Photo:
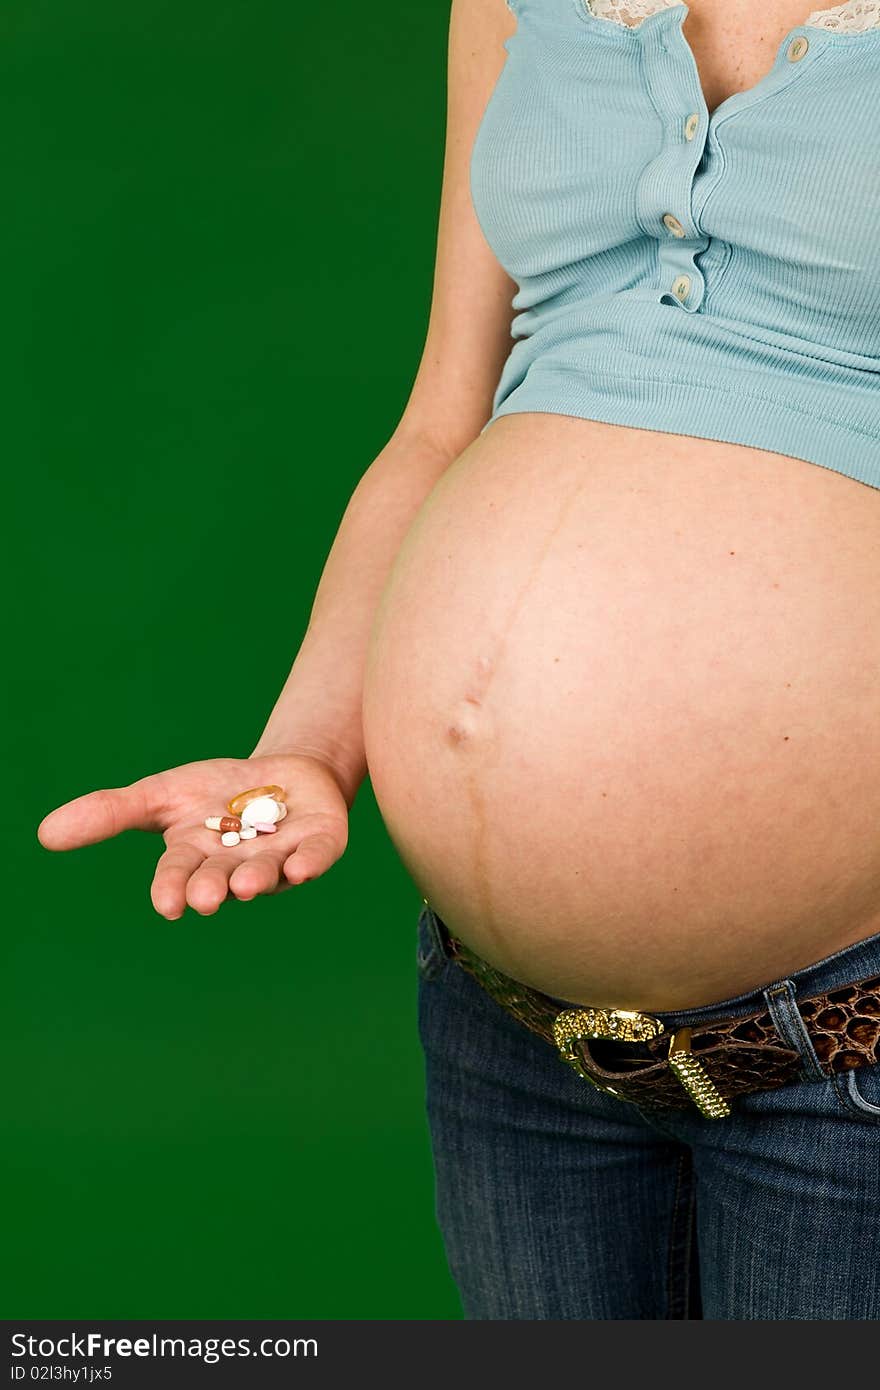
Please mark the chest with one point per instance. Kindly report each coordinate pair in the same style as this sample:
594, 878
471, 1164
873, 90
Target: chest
734, 42
708, 147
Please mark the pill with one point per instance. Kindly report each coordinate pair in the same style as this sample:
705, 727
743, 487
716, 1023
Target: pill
231, 837
230, 823
263, 808
247, 832
266, 827
238, 803
282, 811
213, 822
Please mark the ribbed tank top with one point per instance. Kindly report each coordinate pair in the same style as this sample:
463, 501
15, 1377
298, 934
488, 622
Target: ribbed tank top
714, 274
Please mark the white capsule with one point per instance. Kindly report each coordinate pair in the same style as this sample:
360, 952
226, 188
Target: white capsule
230, 837
247, 832
213, 822
264, 808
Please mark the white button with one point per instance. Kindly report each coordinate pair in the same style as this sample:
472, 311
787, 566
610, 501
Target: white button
673, 225
797, 48
681, 286
690, 125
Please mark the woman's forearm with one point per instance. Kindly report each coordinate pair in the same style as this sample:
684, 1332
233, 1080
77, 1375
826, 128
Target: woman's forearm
319, 708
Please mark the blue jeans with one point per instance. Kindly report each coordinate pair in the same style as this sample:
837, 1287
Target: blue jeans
556, 1200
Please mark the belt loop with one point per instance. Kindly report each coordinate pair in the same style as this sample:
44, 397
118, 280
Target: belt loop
781, 1000
438, 932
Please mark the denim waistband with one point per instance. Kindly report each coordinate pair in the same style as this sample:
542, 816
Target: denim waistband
854, 962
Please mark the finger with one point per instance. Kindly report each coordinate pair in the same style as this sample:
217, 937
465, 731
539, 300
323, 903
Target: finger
208, 887
259, 873
173, 871
313, 856
101, 814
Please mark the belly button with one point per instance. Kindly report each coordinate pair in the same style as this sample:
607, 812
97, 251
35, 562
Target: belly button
466, 722
469, 719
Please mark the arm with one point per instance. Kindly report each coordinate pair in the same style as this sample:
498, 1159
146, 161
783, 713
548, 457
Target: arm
468, 338
312, 744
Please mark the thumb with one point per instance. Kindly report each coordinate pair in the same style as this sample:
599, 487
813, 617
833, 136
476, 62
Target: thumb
101, 814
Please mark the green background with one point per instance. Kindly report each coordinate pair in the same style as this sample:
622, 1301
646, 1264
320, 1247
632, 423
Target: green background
217, 240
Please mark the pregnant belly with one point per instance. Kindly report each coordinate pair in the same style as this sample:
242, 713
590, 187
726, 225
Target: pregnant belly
622, 710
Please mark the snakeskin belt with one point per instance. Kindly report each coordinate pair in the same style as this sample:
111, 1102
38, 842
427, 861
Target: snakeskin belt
707, 1065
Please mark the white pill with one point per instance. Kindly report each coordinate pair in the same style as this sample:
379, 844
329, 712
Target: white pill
213, 822
230, 837
247, 832
282, 810
264, 808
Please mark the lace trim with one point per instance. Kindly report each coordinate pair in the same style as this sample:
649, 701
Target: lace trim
635, 10
853, 17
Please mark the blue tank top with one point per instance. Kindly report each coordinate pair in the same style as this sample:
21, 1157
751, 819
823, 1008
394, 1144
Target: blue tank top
714, 274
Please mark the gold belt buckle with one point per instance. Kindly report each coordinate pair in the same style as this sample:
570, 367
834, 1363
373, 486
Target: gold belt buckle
694, 1077
629, 1025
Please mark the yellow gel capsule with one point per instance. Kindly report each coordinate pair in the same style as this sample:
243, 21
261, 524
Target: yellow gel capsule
238, 803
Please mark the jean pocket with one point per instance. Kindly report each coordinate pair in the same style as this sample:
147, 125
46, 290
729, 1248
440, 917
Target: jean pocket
431, 956
858, 1091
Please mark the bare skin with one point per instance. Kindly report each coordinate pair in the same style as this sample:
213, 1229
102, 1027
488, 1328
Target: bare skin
195, 870
734, 42
621, 708
624, 727
312, 744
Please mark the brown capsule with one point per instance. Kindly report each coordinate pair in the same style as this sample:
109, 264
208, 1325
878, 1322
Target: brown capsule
230, 823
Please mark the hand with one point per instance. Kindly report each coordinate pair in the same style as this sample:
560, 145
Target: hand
195, 868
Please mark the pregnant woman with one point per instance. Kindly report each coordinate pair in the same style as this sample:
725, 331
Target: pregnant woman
602, 623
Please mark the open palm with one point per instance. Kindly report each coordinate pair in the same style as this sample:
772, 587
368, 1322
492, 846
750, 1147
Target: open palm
195, 869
